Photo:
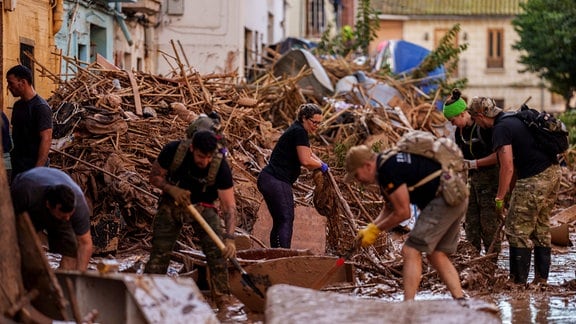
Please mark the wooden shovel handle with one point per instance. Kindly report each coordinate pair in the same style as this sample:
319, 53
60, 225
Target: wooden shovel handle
213, 236
206, 226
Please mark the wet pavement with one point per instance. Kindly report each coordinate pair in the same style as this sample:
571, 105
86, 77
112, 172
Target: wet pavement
554, 304
537, 306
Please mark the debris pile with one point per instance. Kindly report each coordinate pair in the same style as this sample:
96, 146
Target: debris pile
110, 125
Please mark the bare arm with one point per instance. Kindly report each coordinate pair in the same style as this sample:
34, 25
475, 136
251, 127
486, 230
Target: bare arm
400, 211
228, 205
84, 251
45, 142
505, 157
489, 160
308, 159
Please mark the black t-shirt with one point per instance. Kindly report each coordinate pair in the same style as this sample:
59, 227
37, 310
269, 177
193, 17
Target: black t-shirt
528, 159
190, 177
284, 163
29, 118
474, 141
28, 189
409, 169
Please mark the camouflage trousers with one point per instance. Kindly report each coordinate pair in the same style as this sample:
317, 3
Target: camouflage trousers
532, 200
482, 221
167, 226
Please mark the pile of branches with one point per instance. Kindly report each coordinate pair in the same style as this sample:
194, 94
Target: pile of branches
110, 125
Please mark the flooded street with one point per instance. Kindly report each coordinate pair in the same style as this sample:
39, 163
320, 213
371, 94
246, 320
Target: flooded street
557, 306
553, 304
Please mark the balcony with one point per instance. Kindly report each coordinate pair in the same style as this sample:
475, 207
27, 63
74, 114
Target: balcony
149, 7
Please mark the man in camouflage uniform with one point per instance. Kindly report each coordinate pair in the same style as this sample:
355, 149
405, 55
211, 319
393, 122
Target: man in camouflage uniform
535, 190
187, 185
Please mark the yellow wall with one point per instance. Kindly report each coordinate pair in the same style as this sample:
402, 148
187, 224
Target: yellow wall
31, 23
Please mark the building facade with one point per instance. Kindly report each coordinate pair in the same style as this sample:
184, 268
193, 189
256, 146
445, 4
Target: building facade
218, 36
489, 63
28, 29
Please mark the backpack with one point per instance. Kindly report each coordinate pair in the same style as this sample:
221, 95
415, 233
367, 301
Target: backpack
453, 174
202, 123
550, 134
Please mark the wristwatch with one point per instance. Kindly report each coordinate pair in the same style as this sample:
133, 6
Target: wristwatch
229, 236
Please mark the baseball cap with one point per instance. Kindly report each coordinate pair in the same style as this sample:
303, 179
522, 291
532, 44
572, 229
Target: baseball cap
355, 158
485, 106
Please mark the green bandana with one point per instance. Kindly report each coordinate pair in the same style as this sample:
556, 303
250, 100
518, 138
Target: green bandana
454, 109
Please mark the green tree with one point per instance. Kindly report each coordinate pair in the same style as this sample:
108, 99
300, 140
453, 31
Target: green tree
446, 54
349, 39
367, 23
547, 31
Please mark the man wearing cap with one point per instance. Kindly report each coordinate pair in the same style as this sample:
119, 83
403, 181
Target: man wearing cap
482, 221
436, 231
535, 178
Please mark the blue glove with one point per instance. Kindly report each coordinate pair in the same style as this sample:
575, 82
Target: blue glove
324, 167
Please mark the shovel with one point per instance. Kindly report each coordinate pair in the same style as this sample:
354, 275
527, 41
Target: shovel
245, 278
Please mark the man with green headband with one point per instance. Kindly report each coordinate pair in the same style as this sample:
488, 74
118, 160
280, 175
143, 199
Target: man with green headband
482, 220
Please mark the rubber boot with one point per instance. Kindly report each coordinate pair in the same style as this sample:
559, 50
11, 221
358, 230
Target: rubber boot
520, 259
542, 257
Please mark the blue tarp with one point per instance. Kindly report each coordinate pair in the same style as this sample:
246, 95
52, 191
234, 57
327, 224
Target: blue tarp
403, 57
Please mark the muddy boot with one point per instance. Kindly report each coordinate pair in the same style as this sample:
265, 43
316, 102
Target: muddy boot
520, 259
223, 301
227, 306
541, 264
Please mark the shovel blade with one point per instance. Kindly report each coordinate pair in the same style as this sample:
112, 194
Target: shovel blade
246, 280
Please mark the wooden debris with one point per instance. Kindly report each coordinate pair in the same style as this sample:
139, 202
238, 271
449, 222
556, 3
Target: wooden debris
113, 167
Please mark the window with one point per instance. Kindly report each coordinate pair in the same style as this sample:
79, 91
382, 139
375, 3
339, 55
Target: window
495, 58
315, 18
27, 48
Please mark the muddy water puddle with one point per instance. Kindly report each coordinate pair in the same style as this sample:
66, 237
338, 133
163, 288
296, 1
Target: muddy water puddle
555, 304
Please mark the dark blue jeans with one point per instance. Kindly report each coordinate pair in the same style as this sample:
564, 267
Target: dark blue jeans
280, 201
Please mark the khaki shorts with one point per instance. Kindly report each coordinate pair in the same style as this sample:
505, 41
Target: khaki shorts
438, 227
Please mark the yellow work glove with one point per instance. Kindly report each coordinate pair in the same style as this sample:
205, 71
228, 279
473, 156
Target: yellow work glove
181, 196
368, 235
229, 249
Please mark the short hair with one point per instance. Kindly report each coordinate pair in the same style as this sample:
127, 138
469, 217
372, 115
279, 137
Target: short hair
307, 110
21, 72
205, 141
61, 194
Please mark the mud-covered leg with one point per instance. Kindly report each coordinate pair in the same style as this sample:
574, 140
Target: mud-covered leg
167, 226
